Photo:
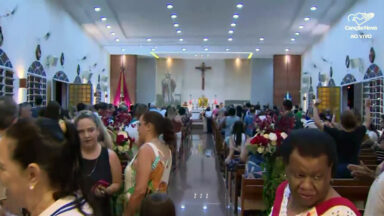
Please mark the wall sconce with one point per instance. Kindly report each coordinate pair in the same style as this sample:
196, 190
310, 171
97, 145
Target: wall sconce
22, 83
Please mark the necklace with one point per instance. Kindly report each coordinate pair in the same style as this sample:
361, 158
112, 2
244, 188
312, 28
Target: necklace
94, 167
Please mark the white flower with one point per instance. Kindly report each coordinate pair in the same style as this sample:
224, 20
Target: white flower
120, 148
272, 136
284, 135
260, 149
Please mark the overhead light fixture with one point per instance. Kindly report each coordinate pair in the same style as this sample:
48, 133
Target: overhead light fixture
205, 39
230, 32
113, 33
230, 39
293, 39
297, 33
117, 40
184, 49
206, 49
153, 49
149, 39
176, 25
173, 16
227, 49
123, 50
181, 39
169, 6
306, 19
286, 50
313, 8
257, 49
108, 27
233, 24
154, 55
250, 55
97, 9
103, 19
240, 5
195, 55
301, 27
261, 39
178, 31
235, 16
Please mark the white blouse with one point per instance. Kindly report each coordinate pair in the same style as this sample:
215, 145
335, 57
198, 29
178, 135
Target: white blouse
67, 207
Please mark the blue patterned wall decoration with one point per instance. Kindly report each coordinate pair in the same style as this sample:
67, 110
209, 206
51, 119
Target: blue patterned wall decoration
61, 76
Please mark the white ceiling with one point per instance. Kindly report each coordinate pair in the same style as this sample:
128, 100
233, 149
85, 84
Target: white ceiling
134, 21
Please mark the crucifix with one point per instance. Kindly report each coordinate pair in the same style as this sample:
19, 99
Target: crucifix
203, 68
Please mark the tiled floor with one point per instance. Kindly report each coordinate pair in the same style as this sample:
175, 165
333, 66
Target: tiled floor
197, 187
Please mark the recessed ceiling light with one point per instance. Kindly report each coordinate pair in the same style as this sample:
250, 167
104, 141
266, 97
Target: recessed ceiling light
261, 39
306, 19
123, 50
293, 39
240, 5
149, 39
173, 16
117, 40
301, 27
206, 49
235, 16
181, 39
227, 49
178, 31
169, 6
176, 25
153, 49
230, 32
97, 9
113, 33
286, 50
297, 33
205, 39
230, 39
233, 24
184, 49
257, 49
103, 19
195, 55
108, 26
313, 8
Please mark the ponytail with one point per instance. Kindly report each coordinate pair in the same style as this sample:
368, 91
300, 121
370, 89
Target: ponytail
163, 126
169, 133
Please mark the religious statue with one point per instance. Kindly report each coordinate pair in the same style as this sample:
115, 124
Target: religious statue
203, 101
168, 86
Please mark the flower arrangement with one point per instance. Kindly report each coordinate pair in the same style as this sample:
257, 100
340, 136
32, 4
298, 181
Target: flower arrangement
123, 146
265, 142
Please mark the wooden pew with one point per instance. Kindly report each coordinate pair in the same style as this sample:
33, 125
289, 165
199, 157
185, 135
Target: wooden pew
251, 195
236, 186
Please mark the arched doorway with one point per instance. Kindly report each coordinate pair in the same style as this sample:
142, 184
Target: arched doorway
60, 88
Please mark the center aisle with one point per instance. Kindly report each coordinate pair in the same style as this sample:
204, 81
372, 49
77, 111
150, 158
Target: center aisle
197, 187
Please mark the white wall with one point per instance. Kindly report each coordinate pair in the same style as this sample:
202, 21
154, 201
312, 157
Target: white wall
262, 81
229, 79
146, 80
337, 43
33, 20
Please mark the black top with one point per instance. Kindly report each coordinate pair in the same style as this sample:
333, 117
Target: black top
94, 171
348, 143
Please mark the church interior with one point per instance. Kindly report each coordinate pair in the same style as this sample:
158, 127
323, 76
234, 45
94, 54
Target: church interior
238, 80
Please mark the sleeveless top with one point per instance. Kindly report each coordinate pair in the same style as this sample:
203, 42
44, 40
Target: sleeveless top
93, 172
158, 179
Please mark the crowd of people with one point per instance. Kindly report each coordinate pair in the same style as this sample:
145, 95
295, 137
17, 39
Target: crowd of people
54, 162
317, 149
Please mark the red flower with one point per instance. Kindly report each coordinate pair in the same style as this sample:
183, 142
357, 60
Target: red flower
260, 140
120, 139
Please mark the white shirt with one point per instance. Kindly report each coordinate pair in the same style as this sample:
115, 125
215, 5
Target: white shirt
132, 130
66, 207
375, 201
